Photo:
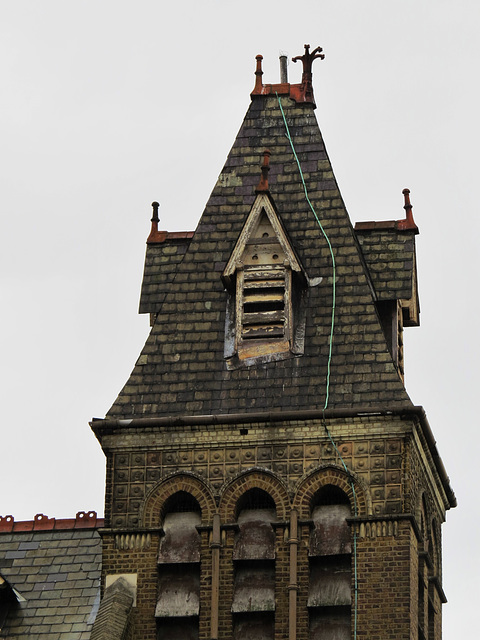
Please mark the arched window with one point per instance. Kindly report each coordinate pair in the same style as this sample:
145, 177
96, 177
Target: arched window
329, 596
253, 603
178, 604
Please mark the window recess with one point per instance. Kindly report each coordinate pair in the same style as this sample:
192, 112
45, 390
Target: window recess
253, 604
178, 603
330, 572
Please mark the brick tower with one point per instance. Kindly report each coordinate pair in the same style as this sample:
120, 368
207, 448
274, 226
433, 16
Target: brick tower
267, 474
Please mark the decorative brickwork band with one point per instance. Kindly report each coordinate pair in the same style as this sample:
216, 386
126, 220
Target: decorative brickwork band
130, 542
379, 529
370, 528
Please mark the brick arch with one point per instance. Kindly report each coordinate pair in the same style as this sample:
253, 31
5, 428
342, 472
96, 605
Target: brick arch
152, 511
336, 476
254, 479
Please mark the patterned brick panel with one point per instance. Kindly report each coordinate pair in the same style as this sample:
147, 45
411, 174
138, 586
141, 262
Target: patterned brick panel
377, 464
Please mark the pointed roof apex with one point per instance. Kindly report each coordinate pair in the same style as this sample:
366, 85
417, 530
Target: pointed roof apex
263, 184
302, 93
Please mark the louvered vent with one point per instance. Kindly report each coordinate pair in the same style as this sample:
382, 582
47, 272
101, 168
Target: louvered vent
264, 304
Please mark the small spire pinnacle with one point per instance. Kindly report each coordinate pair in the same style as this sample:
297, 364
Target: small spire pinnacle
409, 222
263, 184
258, 75
155, 220
155, 217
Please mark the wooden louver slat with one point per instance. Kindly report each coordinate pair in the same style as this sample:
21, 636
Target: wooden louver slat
263, 309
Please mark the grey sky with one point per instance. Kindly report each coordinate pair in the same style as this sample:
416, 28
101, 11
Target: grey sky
107, 106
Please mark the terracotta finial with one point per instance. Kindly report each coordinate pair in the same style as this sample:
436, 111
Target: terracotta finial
155, 219
307, 60
409, 222
155, 234
263, 184
306, 90
258, 75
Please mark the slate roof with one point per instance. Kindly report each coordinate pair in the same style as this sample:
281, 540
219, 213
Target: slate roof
164, 252
390, 257
389, 252
54, 567
182, 369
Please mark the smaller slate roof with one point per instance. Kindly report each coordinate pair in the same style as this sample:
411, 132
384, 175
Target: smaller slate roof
54, 567
389, 254
165, 250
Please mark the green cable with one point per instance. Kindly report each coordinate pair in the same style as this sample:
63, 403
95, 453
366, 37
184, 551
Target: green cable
327, 391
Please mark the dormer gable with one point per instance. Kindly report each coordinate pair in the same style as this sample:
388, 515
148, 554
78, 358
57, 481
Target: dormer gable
264, 281
263, 240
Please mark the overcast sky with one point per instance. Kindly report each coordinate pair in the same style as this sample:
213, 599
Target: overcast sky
107, 106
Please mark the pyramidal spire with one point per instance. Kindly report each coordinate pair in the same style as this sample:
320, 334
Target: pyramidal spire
283, 312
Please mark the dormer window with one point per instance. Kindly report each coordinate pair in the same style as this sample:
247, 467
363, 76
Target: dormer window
266, 286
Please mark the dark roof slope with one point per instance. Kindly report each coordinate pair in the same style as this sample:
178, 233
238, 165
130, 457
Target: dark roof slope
164, 252
182, 370
54, 568
390, 256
